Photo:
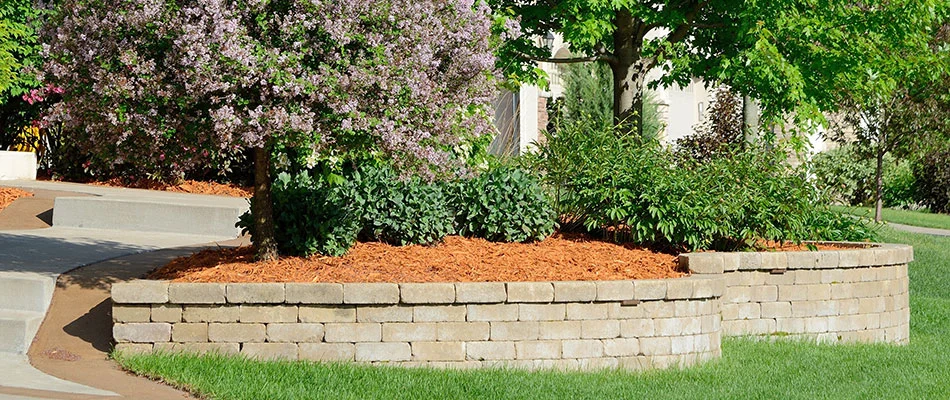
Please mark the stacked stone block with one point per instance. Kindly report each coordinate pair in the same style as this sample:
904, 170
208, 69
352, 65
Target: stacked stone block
567, 325
849, 295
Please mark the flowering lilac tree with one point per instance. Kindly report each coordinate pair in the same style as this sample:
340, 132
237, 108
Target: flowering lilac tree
166, 83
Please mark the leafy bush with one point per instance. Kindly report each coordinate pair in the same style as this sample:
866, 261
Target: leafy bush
399, 212
720, 135
932, 175
608, 183
503, 204
899, 185
844, 176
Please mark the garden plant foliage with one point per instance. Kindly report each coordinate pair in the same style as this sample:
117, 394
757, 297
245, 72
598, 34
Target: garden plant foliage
932, 174
846, 178
604, 181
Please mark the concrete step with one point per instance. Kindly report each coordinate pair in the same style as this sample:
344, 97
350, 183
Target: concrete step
194, 215
17, 329
25, 292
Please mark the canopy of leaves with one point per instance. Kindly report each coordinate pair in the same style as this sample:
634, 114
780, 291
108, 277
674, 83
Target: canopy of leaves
18, 46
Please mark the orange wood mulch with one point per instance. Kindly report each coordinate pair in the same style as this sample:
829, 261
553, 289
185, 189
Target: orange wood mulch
792, 246
186, 186
8, 195
457, 259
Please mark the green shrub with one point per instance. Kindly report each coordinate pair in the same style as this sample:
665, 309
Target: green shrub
932, 174
400, 212
503, 204
608, 183
843, 176
899, 185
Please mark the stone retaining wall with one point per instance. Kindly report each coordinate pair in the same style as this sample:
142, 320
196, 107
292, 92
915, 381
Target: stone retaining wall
628, 324
852, 295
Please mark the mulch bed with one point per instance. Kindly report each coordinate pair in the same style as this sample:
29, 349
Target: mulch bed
8, 195
186, 186
557, 258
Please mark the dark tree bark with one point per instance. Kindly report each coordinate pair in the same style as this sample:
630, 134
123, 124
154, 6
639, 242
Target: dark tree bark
628, 73
263, 207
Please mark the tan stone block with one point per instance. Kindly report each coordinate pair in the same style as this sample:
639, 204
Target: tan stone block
871, 305
464, 331
140, 292
325, 314
780, 279
736, 328
849, 258
427, 293
835, 276
737, 294
297, 332
370, 293
521, 330
200, 348
614, 290
678, 326
384, 314
620, 311
480, 292
410, 332
818, 292
190, 332
750, 261
582, 348
764, 293
750, 311
352, 332
439, 313
828, 259
621, 347
270, 351
166, 313
132, 313
565, 291
802, 259
541, 312
236, 333
686, 308
680, 288
268, 313
530, 292
711, 323
730, 312
538, 350
490, 350
706, 288
196, 293
438, 351
493, 312
682, 344
370, 352
776, 309
559, 330
816, 324
221, 313
313, 293
327, 351
637, 328
578, 311
658, 309
142, 332
842, 291
792, 293
703, 263
848, 306
600, 329
133, 348
653, 289
774, 260
256, 293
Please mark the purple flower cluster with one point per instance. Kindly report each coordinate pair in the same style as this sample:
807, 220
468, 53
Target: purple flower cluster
149, 81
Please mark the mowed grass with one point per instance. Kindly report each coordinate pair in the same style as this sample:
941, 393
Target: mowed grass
906, 217
749, 369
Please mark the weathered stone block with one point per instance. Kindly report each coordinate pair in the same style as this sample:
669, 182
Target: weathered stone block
452, 313
764, 293
280, 333
636, 328
580, 311
438, 351
211, 313
313, 293
384, 314
774, 260
614, 290
427, 293
600, 329
236, 333
190, 332
565, 291
133, 348
463, 331
257, 293
369, 352
622, 347
352, 332
655, 346
196, 293
776, 309
802, 259
268, 313
654, 289
166, 313
682, 344
751, 261
270, 351
538, 350
131, 313
493, 312
142, 332
541, 312
200, 348
140, 292
490, 350
707, 287
681, 288
326, 351
522, 330
559, 330
530, 292
370, 293
326, 314
480, 292
703, 263
409, 332
582, 348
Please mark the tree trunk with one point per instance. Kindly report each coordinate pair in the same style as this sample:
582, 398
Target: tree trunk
750, 119
628, 73
879, 187
262, 207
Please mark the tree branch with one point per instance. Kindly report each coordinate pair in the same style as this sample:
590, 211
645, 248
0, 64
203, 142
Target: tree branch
601, 57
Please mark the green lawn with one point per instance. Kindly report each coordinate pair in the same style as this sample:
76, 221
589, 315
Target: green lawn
915, 218
749, 369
